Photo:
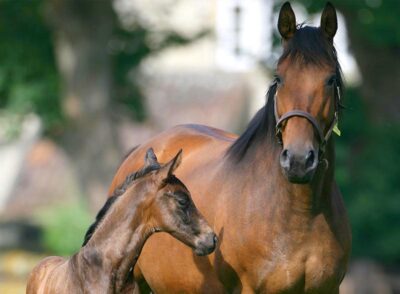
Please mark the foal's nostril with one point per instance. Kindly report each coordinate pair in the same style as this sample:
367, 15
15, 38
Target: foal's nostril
310, 158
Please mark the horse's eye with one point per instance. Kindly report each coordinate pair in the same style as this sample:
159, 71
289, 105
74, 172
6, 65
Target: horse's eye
331, 81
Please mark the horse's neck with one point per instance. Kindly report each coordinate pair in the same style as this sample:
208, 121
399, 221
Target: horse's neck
115, 245
273, 187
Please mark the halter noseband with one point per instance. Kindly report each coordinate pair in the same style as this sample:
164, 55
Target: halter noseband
323, 139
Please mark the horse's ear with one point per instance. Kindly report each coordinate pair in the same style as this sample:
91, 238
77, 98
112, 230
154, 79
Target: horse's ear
286, 21
150, 159
329, 21
168, 169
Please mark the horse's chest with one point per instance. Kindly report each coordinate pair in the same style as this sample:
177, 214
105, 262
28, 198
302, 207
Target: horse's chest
314, 264
311, 267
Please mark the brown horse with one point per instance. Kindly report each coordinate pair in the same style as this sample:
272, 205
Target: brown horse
153, 200
270, 194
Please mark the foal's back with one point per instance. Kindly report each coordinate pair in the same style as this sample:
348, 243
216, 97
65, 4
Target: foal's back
43, 275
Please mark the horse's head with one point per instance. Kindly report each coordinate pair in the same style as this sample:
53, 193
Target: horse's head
170, 207
307, 92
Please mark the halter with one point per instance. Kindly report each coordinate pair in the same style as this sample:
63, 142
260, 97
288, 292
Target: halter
323, 139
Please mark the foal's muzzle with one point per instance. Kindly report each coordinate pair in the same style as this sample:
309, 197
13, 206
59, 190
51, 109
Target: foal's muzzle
206, 244
299, 167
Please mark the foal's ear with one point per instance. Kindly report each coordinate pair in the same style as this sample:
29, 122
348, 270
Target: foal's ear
150, 159
286, 21
169, 168
329, 21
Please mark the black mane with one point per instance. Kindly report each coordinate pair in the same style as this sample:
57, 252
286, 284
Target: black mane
111, 200
308, 46
99, 217
261, 127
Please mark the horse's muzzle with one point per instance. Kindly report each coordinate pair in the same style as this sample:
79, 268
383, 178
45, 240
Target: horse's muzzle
299, 167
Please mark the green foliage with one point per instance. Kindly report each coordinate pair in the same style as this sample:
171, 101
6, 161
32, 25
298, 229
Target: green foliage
28, 76
367, 172
64, 228
10, 126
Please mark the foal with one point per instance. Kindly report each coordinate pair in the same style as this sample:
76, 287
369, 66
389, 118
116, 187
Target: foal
156, 201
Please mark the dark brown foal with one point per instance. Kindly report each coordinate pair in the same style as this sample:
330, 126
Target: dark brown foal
152, 200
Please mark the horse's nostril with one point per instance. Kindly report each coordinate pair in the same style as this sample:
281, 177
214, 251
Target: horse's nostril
285, 154
310, 158
285, 159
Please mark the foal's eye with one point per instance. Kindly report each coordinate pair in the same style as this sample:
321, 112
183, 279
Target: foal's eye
182, 199
183, 202
331, 81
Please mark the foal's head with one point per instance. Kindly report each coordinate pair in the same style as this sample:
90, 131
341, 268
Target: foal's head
168, 207
308, 81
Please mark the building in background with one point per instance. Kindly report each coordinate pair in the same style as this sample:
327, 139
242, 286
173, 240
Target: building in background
226, 67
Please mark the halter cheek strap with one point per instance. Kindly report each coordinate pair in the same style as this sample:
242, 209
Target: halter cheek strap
323, 139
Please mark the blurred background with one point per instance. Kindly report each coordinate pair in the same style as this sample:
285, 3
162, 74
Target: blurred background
83, 81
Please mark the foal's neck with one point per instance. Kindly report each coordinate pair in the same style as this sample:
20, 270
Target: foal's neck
112, 251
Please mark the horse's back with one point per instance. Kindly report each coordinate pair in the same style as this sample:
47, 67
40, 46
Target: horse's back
198, 142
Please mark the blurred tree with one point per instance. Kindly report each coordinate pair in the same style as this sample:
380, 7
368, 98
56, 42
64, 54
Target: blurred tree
80, 47
96, 55
82, 30
374, 33
28, 74
367, 173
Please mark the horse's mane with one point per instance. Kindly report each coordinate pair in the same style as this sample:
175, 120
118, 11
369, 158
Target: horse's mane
111, 200
261, 127
308, 46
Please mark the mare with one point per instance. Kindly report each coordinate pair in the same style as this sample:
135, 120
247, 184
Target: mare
150, 200
270, 194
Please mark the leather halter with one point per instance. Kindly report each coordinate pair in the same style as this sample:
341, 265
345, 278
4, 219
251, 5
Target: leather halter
323, 139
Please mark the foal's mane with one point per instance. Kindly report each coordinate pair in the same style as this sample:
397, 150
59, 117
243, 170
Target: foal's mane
308, 46
111, 200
